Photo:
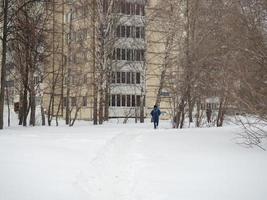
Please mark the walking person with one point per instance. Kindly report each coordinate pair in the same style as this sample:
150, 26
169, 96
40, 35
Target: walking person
155, 113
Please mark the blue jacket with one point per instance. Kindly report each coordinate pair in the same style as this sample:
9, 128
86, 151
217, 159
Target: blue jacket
155, 113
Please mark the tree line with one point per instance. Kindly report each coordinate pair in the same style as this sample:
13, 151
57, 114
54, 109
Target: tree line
208, 49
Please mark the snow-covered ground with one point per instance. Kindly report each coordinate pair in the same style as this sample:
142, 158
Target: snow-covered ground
129, 162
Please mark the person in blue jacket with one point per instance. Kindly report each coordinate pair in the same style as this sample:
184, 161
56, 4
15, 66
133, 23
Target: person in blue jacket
155, 113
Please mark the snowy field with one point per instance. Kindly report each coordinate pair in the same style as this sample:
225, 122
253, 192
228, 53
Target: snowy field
129, 162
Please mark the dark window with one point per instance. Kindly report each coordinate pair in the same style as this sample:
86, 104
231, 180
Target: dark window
137, 9
116, 7
65, 101
134, 55
138, 55
114, 55
142, 55
84, 101
122, 6
143, 32
128, 78
137, 32
128, 31
118, 31
138, 100
118, 100
133, 100
133, 9
118, 77
123, 56
122, 31
118, 54
73, 101
138, 77
128, 100
133, 78
113, 77
129, 54
123, 77
113, 100
128, 8
123, 100
133, 31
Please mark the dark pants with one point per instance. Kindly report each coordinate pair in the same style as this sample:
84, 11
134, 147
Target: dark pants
156, 123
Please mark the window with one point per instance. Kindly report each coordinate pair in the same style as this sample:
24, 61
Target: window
138, 77
133, 78
118, 77
137, 9
133, 9
128, 100
73, 101
129, 54
128, 78
122, 5
165, 94
133, 100
118, 54
84, 101
137, 32
122, 31
65, 101
113, 100
143, 32
123, 77
123, 56
118, 100
118, 31
138, 100
128, 8
128, 31
123, 101
142, 52
138, 55
133, 31
114, 54
113, 77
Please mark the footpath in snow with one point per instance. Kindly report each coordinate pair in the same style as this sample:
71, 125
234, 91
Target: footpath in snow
129, 162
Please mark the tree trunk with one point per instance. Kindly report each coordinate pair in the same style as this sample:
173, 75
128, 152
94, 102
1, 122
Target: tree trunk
198, 117
32, 100
33, 108
101, 102
182, 113
20, 107
58, 110
221, 112
75, 116
25, 106
107, 94
8, 107
142, 110
43, 115
95, 88
3, 64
